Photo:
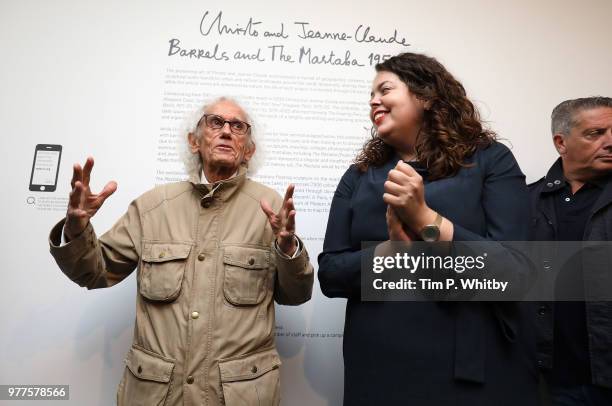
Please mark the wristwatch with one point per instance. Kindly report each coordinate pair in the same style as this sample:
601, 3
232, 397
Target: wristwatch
431, 232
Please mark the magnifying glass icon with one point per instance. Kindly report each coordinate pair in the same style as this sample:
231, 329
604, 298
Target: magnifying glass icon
31, 200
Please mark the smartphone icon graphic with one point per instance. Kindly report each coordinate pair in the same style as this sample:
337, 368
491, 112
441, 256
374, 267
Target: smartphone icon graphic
45, 167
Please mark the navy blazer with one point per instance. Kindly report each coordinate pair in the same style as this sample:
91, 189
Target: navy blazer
432, 353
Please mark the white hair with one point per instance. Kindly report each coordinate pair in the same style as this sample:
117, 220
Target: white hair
193, 161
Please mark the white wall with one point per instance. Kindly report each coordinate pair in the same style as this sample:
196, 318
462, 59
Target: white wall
96, 77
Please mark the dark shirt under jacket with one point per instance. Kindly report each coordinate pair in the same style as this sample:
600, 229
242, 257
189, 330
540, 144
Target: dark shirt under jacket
562, 341
570, 351
432, 353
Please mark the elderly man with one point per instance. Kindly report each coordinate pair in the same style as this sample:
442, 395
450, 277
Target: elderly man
573, 202
212, 253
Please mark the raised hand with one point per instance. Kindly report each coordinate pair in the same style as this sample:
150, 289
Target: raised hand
283, 222
83, 204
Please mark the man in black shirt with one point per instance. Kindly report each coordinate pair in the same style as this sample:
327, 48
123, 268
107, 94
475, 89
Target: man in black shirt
573, 202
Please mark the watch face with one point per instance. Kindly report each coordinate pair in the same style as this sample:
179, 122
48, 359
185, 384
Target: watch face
430, 233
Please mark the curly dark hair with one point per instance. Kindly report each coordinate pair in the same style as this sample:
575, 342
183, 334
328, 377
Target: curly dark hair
451, 131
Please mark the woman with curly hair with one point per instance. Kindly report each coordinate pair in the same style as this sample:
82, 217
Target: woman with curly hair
430, 172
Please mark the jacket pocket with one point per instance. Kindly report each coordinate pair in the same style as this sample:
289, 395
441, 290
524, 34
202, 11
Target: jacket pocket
162, 270
146, 380
246, 275
251, 380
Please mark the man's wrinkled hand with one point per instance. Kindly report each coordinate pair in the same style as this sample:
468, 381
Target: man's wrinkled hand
82, 204
283, 222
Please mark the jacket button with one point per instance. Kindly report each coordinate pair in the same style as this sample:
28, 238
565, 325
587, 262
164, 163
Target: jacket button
139, 369
251, 261
162, 254
195, 315
540, 362
206, 205
189, 379
201, 257
549, 184
542, 310
254, 369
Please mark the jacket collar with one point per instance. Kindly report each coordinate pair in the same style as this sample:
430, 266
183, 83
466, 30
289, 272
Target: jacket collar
555, 180
221, 190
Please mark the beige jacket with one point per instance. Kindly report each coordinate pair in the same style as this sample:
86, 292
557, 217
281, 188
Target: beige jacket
208, 272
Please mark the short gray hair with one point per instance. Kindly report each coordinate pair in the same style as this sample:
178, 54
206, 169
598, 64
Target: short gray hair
193, 162
563, 117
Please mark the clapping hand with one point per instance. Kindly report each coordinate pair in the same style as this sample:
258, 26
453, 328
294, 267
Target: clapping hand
405, 193
395, 227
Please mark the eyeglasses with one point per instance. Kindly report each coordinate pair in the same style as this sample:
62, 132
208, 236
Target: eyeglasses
216, 122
